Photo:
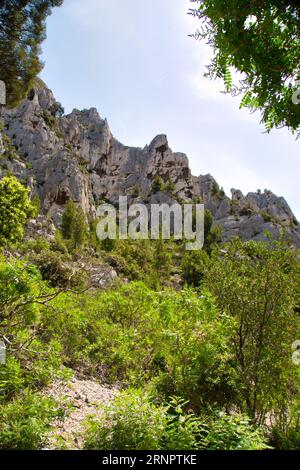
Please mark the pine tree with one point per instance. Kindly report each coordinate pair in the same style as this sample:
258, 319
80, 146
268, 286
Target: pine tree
68, 219
74, 226
212, 234
80, 229
22, 30
158, 185
162, 257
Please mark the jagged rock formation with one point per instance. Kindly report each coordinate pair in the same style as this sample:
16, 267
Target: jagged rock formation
77, 157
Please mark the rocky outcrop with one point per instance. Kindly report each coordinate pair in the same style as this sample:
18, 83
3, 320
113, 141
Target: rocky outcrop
77, 157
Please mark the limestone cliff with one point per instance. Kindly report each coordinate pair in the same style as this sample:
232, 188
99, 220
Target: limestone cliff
76, 156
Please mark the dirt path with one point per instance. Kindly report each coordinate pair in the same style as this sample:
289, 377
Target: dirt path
85, 396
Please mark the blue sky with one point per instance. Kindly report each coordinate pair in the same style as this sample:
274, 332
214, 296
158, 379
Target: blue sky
134, 62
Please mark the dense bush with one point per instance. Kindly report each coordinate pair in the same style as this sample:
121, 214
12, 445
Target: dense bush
193, 267
130, 422
15, 208
25, 421
134, 422
182, 344
158, 185
53, 267
286, 435
221, 431
74, 227
31, 362
257, 285
286, 440
151, 261
177, 340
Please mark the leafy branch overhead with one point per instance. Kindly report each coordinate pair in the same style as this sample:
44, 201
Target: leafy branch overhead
260, 40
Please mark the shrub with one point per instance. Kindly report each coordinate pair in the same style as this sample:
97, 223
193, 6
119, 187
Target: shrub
117, 262
137, 335
193, 267
135, 192
170, 186
157, 185
24, 421
36, 245
220, 431
49, 120
246, 210
18, 283
31, 362
255, 284
58, 110
53, 268
134, 422
58, 244
287, 437
15, 208
148, 260
32, 368
215, 190
196, 353
286, 440
74, 226
137, 257
36, 202
267, 217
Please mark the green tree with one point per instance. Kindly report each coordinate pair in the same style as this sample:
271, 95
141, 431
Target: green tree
162, 260
15, 208
74, 226
68, 219
208, 221
80, 229
256, 284
170, 186
22, 30
212, 234
193, 267
261, 41
158, 185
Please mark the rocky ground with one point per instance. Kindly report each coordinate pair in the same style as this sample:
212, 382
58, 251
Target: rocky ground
85, 398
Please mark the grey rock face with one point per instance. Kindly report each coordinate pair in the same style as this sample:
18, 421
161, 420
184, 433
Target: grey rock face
77, 157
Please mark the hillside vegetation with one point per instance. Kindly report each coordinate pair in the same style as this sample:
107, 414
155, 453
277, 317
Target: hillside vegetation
140, 344
198, 344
